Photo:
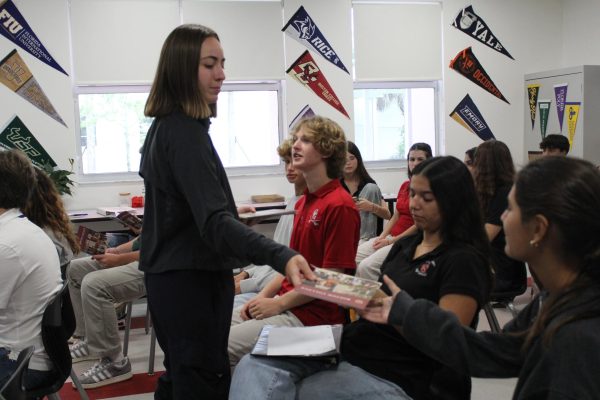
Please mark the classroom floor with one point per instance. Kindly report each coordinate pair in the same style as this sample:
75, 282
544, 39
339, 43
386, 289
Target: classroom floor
142, 385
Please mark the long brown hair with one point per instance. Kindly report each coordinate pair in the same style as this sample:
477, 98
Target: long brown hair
175, 85
567, 192
493, 168
45, 209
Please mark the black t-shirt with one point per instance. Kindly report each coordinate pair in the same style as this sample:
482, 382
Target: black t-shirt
380, 349
510, 273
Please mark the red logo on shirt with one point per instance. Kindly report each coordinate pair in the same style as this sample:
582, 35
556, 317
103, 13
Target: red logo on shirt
423, 269
314, 219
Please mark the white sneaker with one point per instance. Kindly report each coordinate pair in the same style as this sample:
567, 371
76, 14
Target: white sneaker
80, 351
106, 372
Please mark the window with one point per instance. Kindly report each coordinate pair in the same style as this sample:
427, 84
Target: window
390, 116
113, 128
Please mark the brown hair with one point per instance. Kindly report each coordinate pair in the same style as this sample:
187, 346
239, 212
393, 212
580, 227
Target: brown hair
175, 85
45, 209
285, 149
17, 178
493, 168
329, 140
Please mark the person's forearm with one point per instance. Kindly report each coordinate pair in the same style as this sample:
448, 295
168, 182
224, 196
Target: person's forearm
390, 224
409, 231
293, 299
125, 247
381, 210
272, 287
129, 257
461, 348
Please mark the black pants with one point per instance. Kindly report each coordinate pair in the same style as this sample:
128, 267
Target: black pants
191, 313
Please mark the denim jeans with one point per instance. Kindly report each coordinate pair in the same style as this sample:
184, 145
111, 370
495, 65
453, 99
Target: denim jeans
33, 378
297, 378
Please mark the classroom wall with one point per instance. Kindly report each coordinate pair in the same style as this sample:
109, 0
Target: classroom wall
540, 34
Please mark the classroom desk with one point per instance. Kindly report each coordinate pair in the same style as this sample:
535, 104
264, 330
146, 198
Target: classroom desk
107, 223
390, 199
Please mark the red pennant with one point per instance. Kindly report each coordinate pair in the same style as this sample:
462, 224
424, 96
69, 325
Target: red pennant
306, 72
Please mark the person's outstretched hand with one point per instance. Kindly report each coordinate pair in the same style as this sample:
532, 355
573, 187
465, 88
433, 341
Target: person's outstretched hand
378, 309
297, 269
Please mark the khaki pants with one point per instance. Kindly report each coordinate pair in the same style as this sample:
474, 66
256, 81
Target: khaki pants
94, 292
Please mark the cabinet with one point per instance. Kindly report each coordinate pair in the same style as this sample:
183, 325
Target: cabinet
583, 85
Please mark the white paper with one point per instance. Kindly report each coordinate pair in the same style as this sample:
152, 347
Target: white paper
300, 341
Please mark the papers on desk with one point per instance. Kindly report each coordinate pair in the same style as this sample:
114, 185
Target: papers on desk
263, 215
113, 211
321, 341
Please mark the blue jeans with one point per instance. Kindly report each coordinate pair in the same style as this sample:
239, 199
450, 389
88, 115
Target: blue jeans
33, 378
279, 378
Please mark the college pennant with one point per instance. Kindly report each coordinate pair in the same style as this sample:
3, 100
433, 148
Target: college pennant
17, 136
560, 92
15, 75
466, 64
303, 29
473, 25
306, 112
14, 27
467, 114
532, 96
572, 113
307, 73
544, 106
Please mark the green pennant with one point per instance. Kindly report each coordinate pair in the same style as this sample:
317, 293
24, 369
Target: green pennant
17, 136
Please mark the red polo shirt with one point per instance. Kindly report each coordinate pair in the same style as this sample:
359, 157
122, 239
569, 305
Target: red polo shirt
326, 232
405, 220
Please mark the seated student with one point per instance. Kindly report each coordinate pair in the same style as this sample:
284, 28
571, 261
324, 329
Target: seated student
252, 280
470, 158
554, 350
370, 254
367, 195
96, 284
493, 174
29, 274
445, 263
45, 209
555, 145
325, 232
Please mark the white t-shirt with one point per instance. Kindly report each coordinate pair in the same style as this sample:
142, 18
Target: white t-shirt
29, 279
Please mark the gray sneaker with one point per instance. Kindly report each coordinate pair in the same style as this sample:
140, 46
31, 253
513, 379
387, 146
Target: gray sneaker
81, 352
106, 372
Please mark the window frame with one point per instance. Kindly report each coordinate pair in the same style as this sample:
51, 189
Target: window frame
437, 86
116, 177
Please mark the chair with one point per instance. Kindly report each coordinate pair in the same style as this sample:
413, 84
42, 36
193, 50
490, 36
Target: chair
58, 324
503, 300
14, 388
147, 328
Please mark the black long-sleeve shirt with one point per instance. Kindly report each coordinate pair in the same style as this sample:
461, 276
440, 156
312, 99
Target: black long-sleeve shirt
190, 217
566, 369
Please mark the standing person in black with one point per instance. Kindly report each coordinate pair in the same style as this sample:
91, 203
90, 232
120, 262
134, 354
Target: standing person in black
553, 349
192, 237
494, 173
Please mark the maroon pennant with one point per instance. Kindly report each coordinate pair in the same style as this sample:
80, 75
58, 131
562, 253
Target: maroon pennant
306, 71
466, 64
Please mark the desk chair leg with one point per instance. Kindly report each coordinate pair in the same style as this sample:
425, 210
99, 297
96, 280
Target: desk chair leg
147, 326
128, 310
491, 317
82, 393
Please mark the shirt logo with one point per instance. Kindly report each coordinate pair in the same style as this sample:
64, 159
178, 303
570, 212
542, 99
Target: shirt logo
424, 268
314, 218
